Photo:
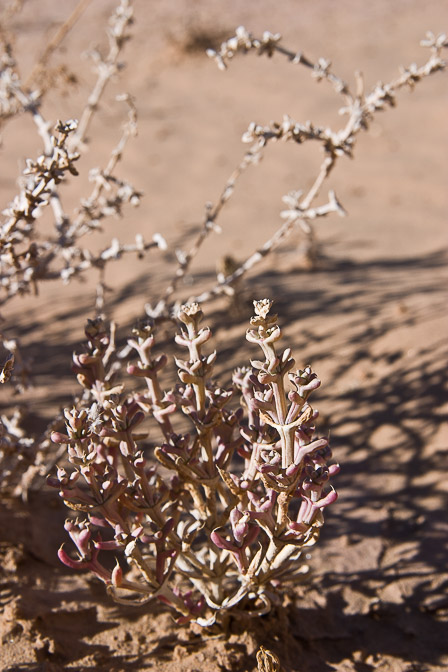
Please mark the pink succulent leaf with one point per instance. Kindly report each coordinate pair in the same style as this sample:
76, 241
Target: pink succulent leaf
240, 527
292, 470
93, 565
327, 500
302, 451
264, 509
80, 535
222, 543
138, 371
251, 535
59, 437
160, 412
69, 562
297, 527
117, 576
267, 468
295, 532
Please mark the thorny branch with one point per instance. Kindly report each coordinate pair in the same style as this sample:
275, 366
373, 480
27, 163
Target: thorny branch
360, 110
243, 42
25, 260
106, 67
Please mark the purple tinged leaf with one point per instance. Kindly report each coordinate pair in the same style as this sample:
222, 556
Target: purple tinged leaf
309, 448
58, 437
137, 371
326, 501
334, 469
82, 541
203, 336
292, 469
67, 560
117, 576
222, 543
99, 522
297, 527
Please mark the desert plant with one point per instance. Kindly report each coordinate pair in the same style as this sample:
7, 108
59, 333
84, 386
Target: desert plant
242, 489
28, 258
28, 255
301, 211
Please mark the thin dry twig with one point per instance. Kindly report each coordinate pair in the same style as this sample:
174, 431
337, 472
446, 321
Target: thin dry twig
359, 108
26, 261
105, 67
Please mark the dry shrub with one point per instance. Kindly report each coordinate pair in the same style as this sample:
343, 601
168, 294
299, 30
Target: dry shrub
216, 535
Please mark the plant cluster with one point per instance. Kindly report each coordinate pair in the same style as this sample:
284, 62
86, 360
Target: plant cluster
26, 257
211, 510
359, 109
242, 485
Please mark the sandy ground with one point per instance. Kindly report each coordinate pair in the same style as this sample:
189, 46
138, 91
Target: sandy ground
371, 318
